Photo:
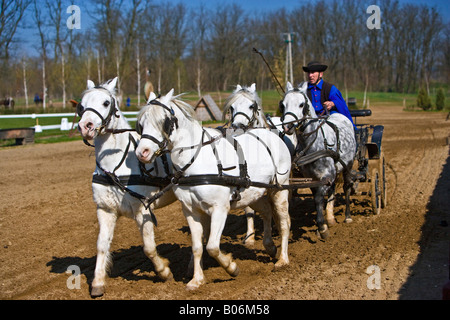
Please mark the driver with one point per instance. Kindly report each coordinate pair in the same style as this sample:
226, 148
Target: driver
324, 96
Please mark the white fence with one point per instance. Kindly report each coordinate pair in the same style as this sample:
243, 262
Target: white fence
63, 126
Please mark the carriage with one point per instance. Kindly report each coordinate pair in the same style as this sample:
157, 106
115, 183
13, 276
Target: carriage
370, 163
369, 167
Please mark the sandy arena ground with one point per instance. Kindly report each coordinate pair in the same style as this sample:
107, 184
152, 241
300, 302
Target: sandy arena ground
48, 222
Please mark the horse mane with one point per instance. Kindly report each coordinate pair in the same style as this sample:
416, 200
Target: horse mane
253, 96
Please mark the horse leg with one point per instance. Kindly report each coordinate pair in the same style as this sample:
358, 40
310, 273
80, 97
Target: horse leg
264, 207
205, 221
348, 185
196, 228
331, 221
107, 222
319, 195
249, 240
280, 200
218, 219
145, 225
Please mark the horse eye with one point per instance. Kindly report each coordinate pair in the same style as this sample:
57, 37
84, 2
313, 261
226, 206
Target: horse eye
106, 103
302, 104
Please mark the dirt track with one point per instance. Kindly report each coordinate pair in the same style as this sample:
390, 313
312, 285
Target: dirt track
48, 222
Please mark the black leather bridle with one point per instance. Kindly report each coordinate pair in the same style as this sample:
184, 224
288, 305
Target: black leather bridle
251, 120
170, 123
105, 121
297, 122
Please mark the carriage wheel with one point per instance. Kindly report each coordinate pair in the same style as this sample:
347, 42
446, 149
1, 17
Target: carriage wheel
383, 184
375, 193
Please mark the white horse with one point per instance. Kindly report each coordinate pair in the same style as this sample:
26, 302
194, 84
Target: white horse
245, 111
115, 158
326, 148
244, 106
203, 157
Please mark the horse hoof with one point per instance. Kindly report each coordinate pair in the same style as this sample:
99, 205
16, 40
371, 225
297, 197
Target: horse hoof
331, 222
97, 292
271, 250
191, 287
348, 220
323, 234
249, 243
166, 276
280, 265
194, 285
235, 269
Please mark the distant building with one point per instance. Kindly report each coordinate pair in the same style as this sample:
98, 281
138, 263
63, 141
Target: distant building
206, 109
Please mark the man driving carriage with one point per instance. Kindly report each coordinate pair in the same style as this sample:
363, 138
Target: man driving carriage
323, 95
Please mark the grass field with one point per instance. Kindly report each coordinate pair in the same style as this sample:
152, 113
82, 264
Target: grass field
270, 100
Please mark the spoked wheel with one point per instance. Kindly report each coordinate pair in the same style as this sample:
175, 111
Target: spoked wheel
383, 184
375, 191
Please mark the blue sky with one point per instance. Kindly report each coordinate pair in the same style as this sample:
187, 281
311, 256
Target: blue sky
270, 5
256, 6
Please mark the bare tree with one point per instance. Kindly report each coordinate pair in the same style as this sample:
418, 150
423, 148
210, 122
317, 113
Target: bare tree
55, 10
11, 13
227, 43
43, 43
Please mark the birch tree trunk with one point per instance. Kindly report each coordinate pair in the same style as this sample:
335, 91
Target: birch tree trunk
25, 89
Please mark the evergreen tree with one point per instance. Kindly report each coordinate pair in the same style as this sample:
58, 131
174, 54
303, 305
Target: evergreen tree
423, 100
440, 99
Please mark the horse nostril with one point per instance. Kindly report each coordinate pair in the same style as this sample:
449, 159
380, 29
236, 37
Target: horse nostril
143, 153
89, 126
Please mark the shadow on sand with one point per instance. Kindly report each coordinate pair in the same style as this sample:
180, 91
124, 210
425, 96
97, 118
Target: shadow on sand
431, 270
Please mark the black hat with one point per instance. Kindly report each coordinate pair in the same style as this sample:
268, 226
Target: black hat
314, 66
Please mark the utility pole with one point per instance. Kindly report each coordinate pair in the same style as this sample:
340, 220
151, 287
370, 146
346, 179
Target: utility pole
289, 68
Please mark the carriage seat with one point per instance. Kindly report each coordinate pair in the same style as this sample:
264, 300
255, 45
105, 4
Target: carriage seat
361, 113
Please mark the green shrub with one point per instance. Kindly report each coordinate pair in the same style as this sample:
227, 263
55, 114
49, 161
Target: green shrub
423, 100
440, 99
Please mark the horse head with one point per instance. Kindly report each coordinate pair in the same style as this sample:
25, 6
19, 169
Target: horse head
244, 108
155, 123
295, 107
97, 107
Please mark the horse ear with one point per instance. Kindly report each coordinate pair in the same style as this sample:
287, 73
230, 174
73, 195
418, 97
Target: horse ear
167, 97
304, 86
90, 84
252, 88
238, 88
151, 96
111, 84
289, 86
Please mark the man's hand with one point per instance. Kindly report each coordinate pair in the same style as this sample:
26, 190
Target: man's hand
328, 105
